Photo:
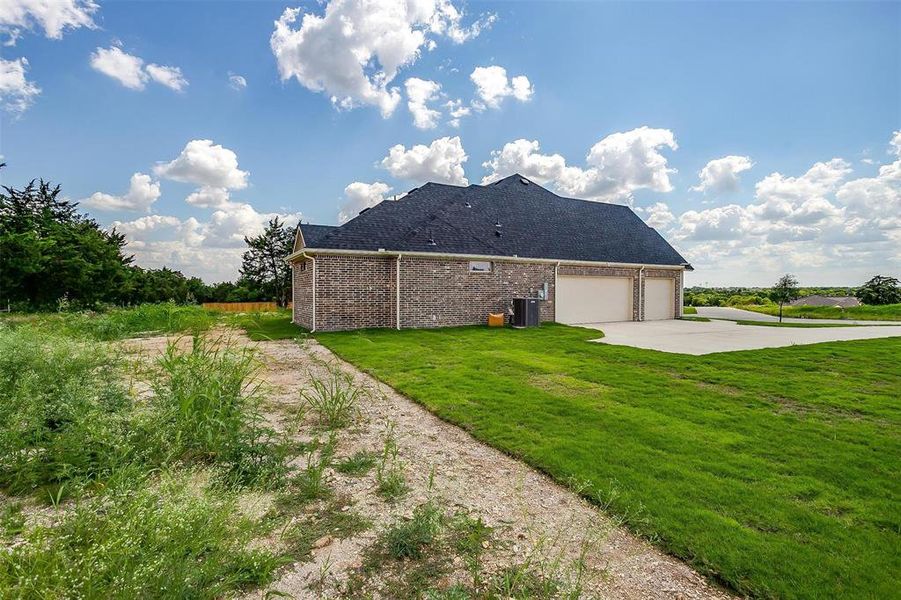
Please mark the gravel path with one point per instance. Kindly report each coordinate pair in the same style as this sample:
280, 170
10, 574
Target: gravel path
527, 509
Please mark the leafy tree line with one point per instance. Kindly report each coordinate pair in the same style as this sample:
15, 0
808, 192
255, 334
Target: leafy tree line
53, 255
877, 291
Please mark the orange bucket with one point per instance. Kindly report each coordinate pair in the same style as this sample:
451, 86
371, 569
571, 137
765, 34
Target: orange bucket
495, 319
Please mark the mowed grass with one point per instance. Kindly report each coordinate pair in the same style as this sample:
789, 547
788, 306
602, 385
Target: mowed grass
886, 312
266, 326
776, 472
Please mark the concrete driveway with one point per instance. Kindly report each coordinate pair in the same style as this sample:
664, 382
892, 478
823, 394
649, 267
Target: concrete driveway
738, 314
697, 337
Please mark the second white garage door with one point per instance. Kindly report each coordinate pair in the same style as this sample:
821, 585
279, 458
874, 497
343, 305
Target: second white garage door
659, 299
593, 299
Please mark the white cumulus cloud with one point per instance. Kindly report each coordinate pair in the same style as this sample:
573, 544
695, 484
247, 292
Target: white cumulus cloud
142, 193
359, 195
793, 198
130, 71
440, 162
457, 111
53, 16
492, 86
209, 197
170, 77
205, 163
210, 249
419, 93
819, 224
17, 93
721, 175
354, 50
617, 165
659, 216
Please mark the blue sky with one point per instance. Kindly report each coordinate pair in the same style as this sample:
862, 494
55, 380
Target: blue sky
796, 104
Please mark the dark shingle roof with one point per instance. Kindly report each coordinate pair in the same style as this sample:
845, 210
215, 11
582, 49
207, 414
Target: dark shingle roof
313, 233
534, 223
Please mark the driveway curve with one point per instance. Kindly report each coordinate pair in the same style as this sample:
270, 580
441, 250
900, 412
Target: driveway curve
738, 314
698, 337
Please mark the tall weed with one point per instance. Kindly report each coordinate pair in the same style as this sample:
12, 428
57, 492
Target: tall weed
334, 399
64, 415
207, 403
120, 323
172, 538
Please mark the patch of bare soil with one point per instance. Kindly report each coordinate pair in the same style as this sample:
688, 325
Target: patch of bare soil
534, 521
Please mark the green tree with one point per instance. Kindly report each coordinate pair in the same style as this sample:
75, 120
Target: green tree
49, 251
263, 265
879, 290
785, 290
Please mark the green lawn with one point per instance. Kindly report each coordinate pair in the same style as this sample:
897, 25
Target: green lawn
887, 312
777, 472
264, 326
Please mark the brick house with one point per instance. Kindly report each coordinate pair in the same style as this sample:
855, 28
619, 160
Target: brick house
446, 255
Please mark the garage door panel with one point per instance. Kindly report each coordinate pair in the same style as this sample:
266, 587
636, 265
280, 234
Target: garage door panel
659, 299
593, 299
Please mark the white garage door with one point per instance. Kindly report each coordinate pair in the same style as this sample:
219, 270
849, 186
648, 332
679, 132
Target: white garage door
659, 299
593, 299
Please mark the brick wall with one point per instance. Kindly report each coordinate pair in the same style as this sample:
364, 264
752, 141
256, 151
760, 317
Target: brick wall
443, 292
359, 291
302, 274
353, 292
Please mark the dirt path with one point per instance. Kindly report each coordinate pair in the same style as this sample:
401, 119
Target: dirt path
523, 506
534, 520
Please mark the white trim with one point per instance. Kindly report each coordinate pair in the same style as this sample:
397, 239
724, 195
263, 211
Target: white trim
305, 255
486, 257
397, 292
640, 294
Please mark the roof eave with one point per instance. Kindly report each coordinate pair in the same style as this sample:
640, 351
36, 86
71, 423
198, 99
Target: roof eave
383, 252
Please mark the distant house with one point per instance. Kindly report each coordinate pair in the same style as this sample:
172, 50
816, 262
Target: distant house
819, 300
448, 255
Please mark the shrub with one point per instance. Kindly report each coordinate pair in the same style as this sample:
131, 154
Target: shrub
64, 412
173, 538
207, 408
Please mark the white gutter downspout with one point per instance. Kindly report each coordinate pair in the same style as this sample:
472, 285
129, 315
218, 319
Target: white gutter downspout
640, 294
397, 292
556, 268
305, 255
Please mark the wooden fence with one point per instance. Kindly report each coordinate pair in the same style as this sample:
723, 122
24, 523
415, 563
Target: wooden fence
242, 306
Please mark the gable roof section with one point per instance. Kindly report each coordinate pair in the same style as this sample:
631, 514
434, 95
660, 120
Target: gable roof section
533, 223
312, 234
